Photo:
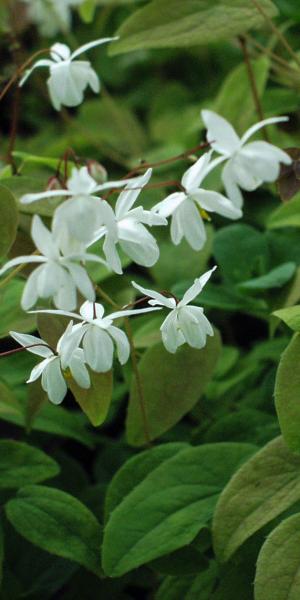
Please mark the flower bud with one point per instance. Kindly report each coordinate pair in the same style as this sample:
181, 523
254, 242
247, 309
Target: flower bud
53, 183
97, 171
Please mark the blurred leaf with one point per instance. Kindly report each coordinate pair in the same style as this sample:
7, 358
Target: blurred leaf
169, 506
173, 23
290, 316
20, 185
9, 220
96, 400
51, 327
189, 588
87, 10
21, 464
287, 390
12, 317
172, 384
274, 279
278, 563
262, 489
288, 182
58, 523
286, 215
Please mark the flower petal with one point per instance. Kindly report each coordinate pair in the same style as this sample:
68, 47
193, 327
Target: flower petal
157, 297
215, 202
90, 45
232, 190
220, 134
191, 224
196, 288
53, 381
98, 349
39, 346
37, 370
79, 370
122, 343
81, 280
172, 337
196, 173
167, 207
43, 239
252, 130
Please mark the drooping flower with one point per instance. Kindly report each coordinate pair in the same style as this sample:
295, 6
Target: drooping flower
58, 276
184, 324
51, 16
68, 77
83, 213
185, 207
128, 228
55, 362
248, 165
98, 334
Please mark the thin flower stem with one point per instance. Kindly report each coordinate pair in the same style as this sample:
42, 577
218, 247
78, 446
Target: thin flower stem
20, 70
106, 297
139, 383
281, 61
277, 32
251, 77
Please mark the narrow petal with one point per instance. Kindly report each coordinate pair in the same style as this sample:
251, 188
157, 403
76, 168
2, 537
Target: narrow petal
66, 296
167, 207
46, 62
232, 190
191, 224
217, 203
130, 194
81, 280
98, 349
172, 337
69, 342
122, 343
39, 346
252, 130
30, 292
22, 260
90, 45
79, 370
132, 312
53, 382
157, 297
28, 198
195, 174
37, 371
196, 288
220, 134
111, 255
43, 239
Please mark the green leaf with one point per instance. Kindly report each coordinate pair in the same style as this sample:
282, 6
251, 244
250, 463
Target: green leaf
12, 317
169, 506
2, 550
21, 464
278, 563
287, 215
87, 10
96, 400
262, 489
274, 279
235, 91
9, 220
58, 523
252, 257
179, 382
173, 23
287, 391
20, 185
290, 316
189, 588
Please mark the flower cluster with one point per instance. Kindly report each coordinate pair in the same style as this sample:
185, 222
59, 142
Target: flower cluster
86, 224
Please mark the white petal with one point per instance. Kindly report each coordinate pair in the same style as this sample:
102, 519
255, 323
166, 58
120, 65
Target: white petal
122, 343
37, 371
111, 254
191, 328
48, 279
66, 296
191, 224
81, 280
28, 198
264, 159
196, 288
157, 297
252, 130
79, 370
43, 238
167, 207
98, 349
69, 342
30, 291
39, 346
232, 190
196, 173
22, 260
60, 52
244, 175
128, 197
220, 134
132, 312
172, 337
215, 202
90, 45
40, 63
53, 382
81, 182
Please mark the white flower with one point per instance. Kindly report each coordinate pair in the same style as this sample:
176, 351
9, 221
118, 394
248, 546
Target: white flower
68, 77
83, 213
50, 369
128, 228
58, 276
184, 323
248, 165
51, 15
98, 334
185, 207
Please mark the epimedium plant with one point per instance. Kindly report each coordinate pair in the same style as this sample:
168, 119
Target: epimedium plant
168, 471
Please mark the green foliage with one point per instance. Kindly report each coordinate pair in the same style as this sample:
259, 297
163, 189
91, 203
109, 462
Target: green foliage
169, 505
171, 23
9, 220
262, 489
96, 400
180, 380
58, 523
287, 389
277, 574
21, 464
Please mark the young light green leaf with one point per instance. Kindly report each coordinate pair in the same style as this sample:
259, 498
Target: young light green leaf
287, 391
12, 317
169, 506
274, 279
180, 380
278, 563
287, 215
173, 23
262, 489
58, 523
290, 316
21, 464
95, 401
9, 220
